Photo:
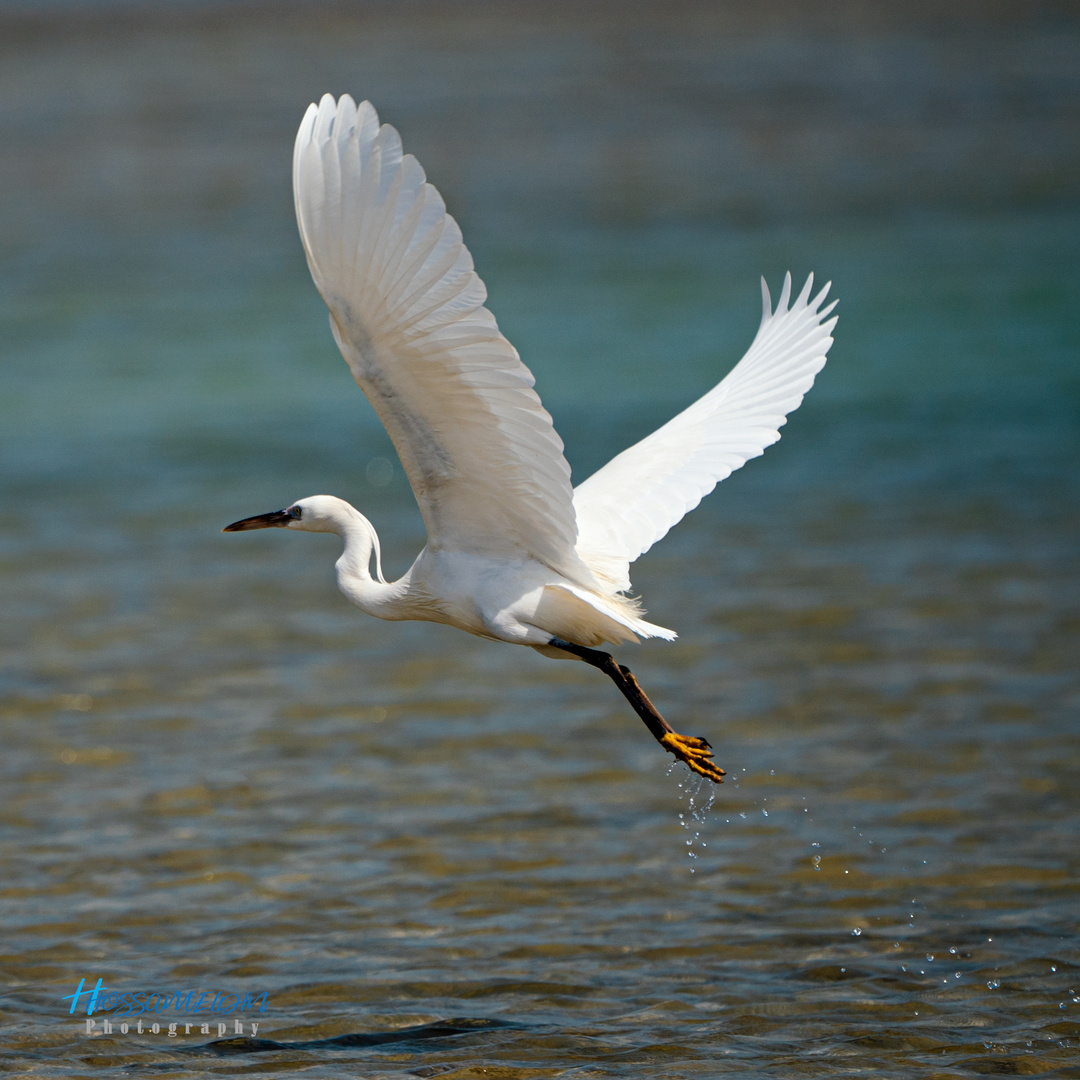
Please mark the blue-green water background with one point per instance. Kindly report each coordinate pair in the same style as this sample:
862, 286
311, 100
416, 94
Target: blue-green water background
217, 774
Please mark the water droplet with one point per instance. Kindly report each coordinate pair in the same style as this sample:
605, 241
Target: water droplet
1053, 967
956, 975
815, 844
817, 862
764, 813
930, 956
896, 944
993, 984
1062, 1005
953, 950
857, 932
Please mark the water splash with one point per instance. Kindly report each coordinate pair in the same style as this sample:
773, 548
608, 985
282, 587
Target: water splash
693, 817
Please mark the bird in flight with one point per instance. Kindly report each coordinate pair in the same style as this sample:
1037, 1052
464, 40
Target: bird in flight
514, 552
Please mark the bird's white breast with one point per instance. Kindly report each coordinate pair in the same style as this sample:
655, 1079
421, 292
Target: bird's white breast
491, 597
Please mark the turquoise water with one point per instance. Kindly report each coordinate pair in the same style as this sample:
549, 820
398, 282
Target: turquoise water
219, 776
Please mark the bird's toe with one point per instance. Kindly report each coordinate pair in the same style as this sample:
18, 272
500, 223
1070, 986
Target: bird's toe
696, 753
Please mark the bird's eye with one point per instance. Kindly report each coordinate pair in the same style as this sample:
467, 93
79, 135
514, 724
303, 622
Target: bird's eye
295, 512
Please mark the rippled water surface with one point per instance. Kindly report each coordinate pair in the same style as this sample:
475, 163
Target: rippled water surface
217, 776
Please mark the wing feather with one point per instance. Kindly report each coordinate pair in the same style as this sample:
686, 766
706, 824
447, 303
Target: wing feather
629, 504
407, 311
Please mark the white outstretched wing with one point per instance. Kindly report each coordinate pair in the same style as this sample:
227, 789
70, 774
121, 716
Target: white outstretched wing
408, 313
629, 504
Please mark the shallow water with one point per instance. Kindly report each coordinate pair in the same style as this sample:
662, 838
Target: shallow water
218, 776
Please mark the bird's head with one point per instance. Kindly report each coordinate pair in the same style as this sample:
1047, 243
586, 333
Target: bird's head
317, 513
326, 514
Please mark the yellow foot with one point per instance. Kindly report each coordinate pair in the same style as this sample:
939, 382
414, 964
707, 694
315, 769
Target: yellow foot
696, 753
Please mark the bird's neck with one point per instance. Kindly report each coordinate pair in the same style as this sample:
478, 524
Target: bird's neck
376, 596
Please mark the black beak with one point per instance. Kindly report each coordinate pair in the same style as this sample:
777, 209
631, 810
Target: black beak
278, 519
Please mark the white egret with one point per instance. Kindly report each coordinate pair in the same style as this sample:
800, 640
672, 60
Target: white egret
514, 553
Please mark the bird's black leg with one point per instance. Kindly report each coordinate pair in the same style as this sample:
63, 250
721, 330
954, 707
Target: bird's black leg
688, 748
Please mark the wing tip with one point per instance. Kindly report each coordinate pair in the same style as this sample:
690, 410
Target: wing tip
766, 302
785, 293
